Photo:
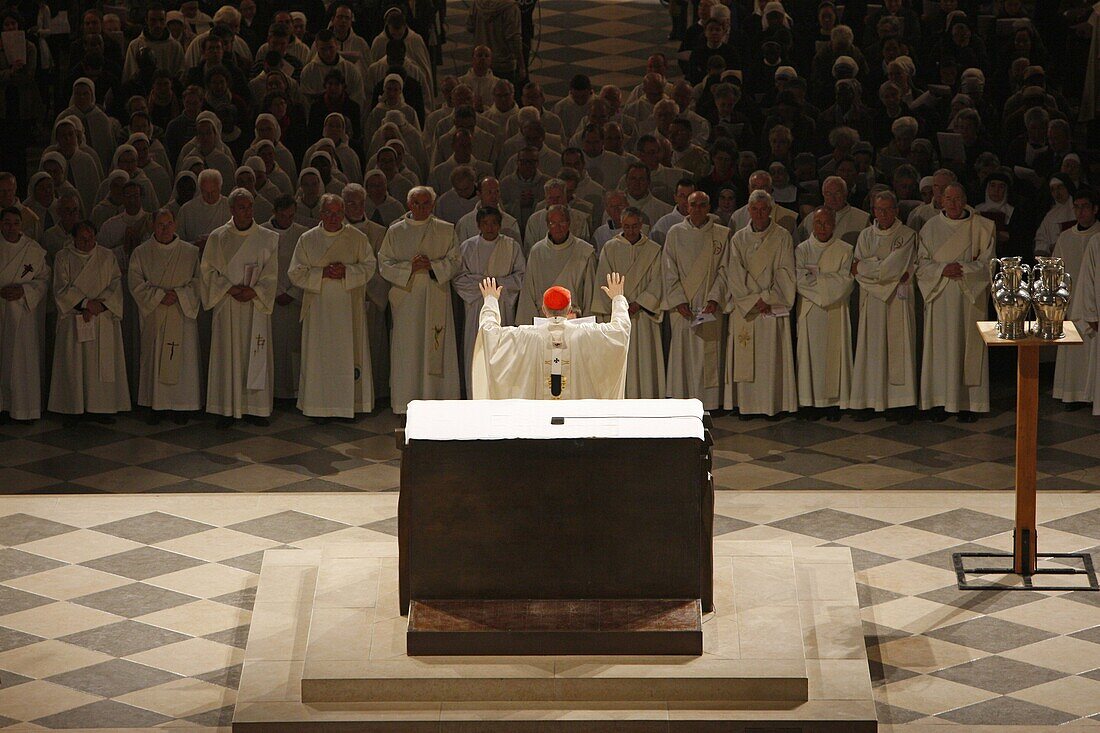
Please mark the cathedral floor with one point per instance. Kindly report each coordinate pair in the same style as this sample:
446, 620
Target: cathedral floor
132, 612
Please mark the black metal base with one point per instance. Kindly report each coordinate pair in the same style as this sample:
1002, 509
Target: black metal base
1029, 581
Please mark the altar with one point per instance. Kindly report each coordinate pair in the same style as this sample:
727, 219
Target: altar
544, 527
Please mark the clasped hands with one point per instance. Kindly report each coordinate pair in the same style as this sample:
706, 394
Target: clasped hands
242, 293
685, 310
92, 308
170, 298
334, 271
953, 270
421, 262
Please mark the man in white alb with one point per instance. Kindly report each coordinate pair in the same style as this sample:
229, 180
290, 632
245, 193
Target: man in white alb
332, 264
884, 374
556, 358
239, 272
953, 273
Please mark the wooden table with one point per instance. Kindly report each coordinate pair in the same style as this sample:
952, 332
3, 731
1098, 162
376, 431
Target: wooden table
1027, 427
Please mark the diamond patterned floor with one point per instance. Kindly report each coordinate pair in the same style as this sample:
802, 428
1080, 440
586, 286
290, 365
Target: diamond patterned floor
145, 625
296, 455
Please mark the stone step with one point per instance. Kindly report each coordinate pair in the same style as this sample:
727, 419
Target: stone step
555, 627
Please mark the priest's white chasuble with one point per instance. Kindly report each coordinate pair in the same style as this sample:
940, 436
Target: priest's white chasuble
423, 347
169, 375
824, 282
239, 379
336, 378
557, 358
760, 376
884, 374
22, 262
89, 367
640, 265
955, 365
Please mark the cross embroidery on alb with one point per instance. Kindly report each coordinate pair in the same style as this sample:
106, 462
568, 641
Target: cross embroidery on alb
744, 337
27, 269
260, 341
172, 347
438, 333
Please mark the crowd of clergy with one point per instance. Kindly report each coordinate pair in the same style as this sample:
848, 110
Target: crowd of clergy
244, 204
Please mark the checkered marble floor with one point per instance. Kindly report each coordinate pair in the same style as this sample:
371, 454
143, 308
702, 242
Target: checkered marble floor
132, 612
294, 455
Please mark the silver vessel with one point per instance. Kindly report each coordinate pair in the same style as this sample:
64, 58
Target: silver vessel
1050, 287
1011, 295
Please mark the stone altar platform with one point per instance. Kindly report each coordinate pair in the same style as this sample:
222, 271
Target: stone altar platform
783, 651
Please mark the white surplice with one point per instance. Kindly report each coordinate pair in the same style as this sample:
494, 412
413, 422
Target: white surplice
760, 376
690, 272
89, 366
570, 264
518, 362
1086, 310
170, 377
239, 379
423, 347
954, 365
824, 282
22, 262
641, 267
884, 374
1073, 368
336, 378
502, 259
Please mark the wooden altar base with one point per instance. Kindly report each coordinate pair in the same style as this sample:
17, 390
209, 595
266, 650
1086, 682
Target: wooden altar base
552, 627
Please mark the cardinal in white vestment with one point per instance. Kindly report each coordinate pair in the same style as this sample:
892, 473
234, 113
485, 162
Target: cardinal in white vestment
164, 280
89, 367
759, 277
286, 317
332, 264
953, 273
488, 254
639, 259
419, 257
240, 275
558, 259
24, 282
1074, 367
560, 357
884, 374
823, 279
1086, 310
694, 296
